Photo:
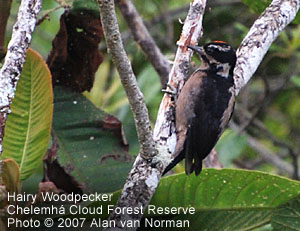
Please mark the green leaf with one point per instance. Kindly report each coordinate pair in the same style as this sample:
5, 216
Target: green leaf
250, 189
27, 128
91, 145
287, 216
225, 199
9, 178
91, 5
230, 146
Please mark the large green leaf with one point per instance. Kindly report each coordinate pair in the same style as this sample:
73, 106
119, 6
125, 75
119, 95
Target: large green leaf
91, 146
287, 216
27, 128
225, 199
227, 189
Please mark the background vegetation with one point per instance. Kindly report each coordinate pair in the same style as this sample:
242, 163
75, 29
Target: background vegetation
87, 144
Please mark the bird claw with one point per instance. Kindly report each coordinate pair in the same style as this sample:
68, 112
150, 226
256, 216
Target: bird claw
172, 91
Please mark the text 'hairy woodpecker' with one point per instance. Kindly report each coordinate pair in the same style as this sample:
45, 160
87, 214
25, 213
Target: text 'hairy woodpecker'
204, 106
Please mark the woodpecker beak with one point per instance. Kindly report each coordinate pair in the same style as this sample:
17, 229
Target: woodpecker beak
199, 50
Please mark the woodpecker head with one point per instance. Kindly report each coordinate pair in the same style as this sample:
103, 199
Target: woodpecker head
218, 55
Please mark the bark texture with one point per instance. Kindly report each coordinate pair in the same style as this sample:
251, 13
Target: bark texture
128, 79
260, 37
164, 130
143, 38
15, 57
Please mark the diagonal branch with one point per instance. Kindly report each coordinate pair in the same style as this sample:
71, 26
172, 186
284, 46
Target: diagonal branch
266, 154
15, 57
128, 79
269, 156
260, 37
164, 131
143, 38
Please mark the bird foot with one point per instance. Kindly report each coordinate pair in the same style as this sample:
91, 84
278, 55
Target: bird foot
172, 91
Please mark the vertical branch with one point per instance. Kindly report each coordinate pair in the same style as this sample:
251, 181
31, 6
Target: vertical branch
260, 37
143, 38
15, 57
164, 131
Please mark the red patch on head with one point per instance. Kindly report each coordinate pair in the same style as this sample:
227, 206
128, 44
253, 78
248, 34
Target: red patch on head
218, 41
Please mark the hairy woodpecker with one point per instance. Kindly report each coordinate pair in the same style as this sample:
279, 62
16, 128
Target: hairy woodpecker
204, 106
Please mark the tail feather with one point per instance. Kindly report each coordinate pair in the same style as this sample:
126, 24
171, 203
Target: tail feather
178, 154
189, 156
177, 159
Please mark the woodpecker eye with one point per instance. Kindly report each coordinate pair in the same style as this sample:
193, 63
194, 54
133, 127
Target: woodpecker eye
209, 50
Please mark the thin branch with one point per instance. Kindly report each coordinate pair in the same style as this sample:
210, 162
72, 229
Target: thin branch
47, 12
143, 38
264, 131
269, 156
253, 164
292, 153
249, 164
266, 154
261, 35
128, 79
174, 15
62, 4
271, 93
15, 57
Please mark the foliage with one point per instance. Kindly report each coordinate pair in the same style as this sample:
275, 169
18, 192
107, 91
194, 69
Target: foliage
9, 176
88, 150
27, 128
227, 199
230, 147
90, 143
287, 216
79, 5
